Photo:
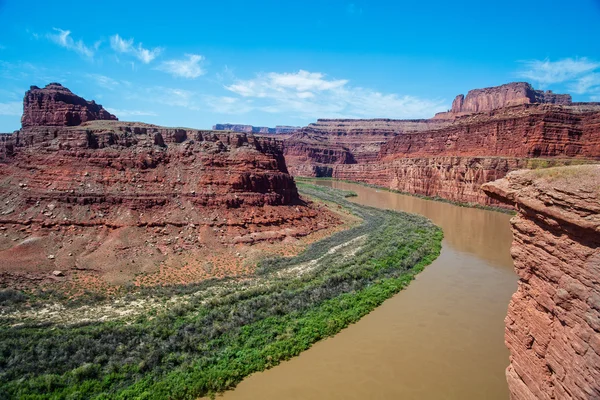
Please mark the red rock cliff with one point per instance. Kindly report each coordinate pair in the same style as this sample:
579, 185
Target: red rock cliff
553, 321
78, 190
492, 98
56, 105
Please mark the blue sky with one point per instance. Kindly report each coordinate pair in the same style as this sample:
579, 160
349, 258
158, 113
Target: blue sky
198, 63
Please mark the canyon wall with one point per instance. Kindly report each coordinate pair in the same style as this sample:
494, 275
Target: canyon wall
553, 321
452, 162
452, 157
492, 98
105, 181
315, 149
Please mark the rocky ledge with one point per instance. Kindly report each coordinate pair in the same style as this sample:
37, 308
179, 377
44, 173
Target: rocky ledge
553, 321
55, 105
492, 98
120, 198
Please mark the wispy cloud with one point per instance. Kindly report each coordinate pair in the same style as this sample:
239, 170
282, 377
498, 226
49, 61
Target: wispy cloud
13, 108
128, 46
106, 82
130, 113
189, 67
547, 72
63, 38
173, 97
305, 94
580, 75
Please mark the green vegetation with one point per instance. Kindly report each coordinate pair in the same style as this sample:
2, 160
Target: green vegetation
207, 344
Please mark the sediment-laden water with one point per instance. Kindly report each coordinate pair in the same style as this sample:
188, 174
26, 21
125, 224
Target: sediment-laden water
441, 338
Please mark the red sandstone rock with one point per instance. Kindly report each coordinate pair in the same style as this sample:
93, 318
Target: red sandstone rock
95, 190
521, 131
492, 98
56, 105
553, 321
453, 161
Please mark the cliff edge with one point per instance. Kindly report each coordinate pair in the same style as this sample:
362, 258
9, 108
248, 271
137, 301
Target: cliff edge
553, 321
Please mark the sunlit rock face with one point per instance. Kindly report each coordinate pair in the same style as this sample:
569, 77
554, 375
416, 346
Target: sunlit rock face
553, 321
74, 174
55, 105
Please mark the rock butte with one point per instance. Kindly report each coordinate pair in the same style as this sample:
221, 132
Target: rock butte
483, 137
553, 322
116, 198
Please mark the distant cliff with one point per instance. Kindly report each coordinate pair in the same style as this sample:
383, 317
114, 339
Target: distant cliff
492, 98
255, 129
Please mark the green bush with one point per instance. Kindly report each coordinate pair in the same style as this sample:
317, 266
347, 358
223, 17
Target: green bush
209, 345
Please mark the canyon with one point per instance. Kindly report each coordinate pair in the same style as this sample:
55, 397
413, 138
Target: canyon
553, 321
483, 137
279, 129
86, 195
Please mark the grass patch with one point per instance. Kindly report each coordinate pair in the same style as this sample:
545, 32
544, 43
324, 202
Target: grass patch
208, 344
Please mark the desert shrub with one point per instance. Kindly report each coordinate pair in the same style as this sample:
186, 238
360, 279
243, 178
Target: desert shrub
208, 345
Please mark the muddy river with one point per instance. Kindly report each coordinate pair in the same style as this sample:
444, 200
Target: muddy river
441, 338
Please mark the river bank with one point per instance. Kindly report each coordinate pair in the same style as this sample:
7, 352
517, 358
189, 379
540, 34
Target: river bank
209, 341
440, 338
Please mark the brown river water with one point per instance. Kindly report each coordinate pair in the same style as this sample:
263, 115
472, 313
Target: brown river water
441, 338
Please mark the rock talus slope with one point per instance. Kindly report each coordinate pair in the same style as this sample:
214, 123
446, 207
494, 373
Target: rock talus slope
553, 321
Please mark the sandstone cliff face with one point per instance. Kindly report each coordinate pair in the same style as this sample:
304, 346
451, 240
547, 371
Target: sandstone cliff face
56, 105
521, 131
83, 194
314, 149
553, 321
454, 161
492, 98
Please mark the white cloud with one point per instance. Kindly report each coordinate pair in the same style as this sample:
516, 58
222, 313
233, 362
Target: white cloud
11, 108
189, 67
104, 81
173, 97
120, 45
312, 95
547, 72
586, 84
130, 113
63, 38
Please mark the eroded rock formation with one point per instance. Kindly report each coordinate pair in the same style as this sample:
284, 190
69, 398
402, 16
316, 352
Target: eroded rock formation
452, 157
102, 195
317, 148
553, 321
492, 98
55, 105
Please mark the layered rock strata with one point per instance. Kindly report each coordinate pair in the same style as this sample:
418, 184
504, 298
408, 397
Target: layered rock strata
492, 98
455, 159
553, 321
55, 105
100, 195
315, 149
